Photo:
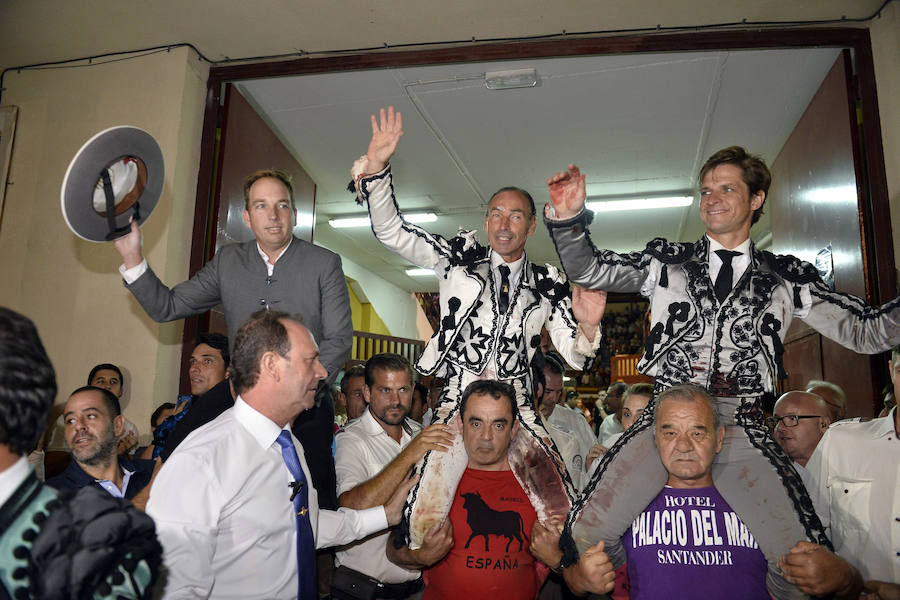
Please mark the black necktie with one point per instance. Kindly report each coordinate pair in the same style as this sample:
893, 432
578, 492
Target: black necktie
724, 279
504, 289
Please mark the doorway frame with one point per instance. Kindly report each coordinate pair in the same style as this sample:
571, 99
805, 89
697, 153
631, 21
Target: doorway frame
876, 232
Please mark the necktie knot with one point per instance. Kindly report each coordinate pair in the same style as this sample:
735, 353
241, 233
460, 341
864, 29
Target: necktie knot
727, 255
284, 439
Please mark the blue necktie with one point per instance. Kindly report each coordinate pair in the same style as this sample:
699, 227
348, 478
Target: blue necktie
306, 545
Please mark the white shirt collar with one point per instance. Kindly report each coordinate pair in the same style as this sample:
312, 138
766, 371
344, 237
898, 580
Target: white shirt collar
12, 478
265, 256
514, 267
260, 427
885, 425
743, 248
372, 427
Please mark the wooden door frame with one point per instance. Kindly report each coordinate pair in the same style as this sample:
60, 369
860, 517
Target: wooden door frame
877, 235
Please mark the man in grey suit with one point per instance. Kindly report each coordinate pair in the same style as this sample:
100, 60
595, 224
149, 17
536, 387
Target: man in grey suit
275, 270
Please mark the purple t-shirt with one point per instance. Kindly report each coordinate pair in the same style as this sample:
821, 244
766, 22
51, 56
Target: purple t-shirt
689, 544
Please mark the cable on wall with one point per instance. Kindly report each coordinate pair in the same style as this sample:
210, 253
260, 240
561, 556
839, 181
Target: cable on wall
98, 59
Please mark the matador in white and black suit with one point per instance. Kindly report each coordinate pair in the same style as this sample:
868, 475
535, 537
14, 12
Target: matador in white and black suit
720, 309
483, 335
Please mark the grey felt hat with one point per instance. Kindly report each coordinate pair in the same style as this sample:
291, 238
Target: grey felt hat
120, 168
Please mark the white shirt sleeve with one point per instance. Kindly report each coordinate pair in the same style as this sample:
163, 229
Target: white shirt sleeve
349, 462
342, 526
652, 277
187, 526
134, 273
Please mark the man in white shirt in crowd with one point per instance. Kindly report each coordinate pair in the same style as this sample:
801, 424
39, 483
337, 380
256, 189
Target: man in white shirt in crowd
234, 510
570, 431
613, 402
352, 385
799, 421
855, 475
374, 455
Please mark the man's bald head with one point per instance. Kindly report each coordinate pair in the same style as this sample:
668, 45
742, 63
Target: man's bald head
801, 419
833, 396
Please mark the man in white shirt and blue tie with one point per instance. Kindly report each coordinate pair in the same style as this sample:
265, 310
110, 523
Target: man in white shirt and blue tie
233, 505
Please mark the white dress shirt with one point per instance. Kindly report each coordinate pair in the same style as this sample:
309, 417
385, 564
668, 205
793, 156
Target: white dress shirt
609, 427
574, 438
224, 516
739, 263
855, 471
363, 449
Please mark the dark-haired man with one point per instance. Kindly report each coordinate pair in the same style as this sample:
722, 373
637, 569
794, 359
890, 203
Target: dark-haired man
481, 551
353, 385
210, 394
235, 511
114, 545
374, 454
494, 303
570, 431
720, 309
613, 403
93, 422
275, 270
109, 377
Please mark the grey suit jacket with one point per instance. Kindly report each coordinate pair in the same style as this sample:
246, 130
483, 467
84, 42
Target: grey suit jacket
307, 282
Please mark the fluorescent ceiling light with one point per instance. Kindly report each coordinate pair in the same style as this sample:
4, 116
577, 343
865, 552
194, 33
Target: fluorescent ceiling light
512, 79
417, 272
342, 222
598, 205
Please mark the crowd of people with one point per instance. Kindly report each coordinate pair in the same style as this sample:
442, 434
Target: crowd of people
482, 483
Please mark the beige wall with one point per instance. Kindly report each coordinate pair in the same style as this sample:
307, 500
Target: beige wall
885, 34
71, 288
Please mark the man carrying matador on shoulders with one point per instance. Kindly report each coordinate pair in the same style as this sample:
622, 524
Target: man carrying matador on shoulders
494, 303
720, 309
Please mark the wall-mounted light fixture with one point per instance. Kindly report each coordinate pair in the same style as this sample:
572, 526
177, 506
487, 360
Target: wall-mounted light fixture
618, 203
363, 221
511, 79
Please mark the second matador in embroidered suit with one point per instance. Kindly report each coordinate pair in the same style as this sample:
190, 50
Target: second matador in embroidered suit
720, 309
493, 306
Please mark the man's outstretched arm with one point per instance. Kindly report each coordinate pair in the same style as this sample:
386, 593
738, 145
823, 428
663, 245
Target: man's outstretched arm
375, 186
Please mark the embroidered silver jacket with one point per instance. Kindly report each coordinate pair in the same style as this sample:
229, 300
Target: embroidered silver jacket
733, 348
471, 325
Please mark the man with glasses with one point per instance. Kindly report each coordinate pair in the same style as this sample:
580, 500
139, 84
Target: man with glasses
494, 303
799, 422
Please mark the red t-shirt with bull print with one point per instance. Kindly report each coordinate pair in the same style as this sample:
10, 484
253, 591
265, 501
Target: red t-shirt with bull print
492, 520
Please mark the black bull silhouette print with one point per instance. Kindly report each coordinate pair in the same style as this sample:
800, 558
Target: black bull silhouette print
485, 521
